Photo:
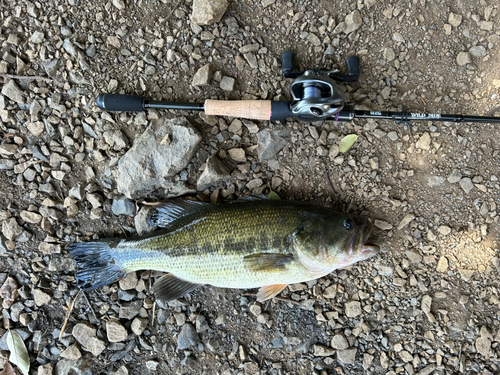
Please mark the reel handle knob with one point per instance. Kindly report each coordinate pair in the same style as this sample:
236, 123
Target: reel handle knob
353, 67
287, 62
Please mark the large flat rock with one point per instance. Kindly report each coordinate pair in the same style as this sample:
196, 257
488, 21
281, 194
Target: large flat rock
163, 150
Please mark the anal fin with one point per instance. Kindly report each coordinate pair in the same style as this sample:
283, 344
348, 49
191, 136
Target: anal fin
269, 291
170, 287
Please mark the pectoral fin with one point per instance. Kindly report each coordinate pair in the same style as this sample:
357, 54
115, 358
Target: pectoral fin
269, 291
267, 262
169, 287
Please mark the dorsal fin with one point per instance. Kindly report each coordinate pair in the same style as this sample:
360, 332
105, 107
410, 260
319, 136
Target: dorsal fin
169, 211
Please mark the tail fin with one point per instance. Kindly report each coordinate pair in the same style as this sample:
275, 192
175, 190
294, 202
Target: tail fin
95, 263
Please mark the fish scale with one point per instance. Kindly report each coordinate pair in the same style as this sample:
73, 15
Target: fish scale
215, 256
254, 242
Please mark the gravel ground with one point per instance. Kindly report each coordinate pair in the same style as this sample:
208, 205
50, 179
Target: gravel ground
428, 304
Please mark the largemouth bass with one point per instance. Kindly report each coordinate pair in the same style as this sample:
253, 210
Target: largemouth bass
254, 242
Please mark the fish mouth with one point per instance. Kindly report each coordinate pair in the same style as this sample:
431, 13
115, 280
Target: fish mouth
368, 247
360, 246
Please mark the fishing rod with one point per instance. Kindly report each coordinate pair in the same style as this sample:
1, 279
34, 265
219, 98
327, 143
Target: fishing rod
316, 96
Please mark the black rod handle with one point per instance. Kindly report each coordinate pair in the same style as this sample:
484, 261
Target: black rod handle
118, 102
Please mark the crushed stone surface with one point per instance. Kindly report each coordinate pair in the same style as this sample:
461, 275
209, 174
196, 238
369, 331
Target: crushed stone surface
429, 303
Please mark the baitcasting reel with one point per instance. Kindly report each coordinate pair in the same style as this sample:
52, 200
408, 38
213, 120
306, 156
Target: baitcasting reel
315, 93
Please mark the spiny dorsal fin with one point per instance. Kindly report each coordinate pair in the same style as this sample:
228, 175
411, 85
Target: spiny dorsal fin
269, 262
269, 291
168, 287
169, 211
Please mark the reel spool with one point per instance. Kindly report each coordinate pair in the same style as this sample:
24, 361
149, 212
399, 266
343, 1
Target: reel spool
316, 96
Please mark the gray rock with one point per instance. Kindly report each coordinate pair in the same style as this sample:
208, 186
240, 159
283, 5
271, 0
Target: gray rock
424, 142
11, 91
478, 51
277, 343
339, 342
187, 337
483, 343
8, 149
427, 370
250, 48
6, 164
129, 282
435, 181
70, 48
47, 369
116, 139
37, 37
238, 155
121, 371
203, 76
455, 176
466, 184
322, 351
389, 54
139, 325
455, 19
51, 67
3, 246
115, 332
82, 366
347, 356
251, 60
164, 149
227, 83
86, 336
464, 58
201, 324
11, 229
123, 206
130, 310
77, 192
315, 41
266, 3
141, 220
353, 309
353, 22
393, 136
95, 199
270, 142
119, 4
215, 171
252, 127
47, 188
207, 12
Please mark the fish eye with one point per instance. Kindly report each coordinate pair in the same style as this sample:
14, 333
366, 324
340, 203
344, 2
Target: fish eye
348, 224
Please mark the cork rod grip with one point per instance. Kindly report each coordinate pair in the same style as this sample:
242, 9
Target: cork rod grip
249, 109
